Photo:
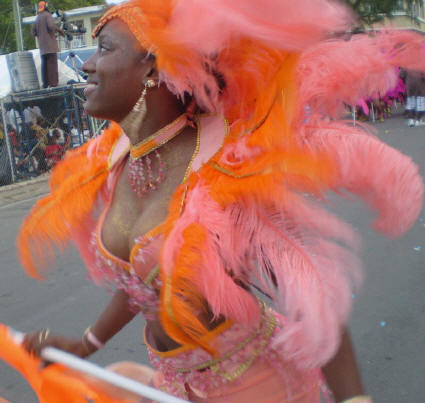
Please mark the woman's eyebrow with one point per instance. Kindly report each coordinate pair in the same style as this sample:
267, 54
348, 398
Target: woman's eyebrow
106, 37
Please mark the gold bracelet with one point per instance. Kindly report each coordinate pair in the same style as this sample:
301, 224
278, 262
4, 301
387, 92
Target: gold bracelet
92, 339
84, 343
42, 335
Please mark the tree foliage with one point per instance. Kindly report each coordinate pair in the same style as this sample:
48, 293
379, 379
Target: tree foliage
28, 8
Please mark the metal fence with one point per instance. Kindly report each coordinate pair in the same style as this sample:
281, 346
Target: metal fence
38, 127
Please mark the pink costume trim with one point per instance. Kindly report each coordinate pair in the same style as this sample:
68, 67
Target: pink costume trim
248, 364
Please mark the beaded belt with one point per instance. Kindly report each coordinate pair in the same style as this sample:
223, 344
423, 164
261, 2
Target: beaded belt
195, 367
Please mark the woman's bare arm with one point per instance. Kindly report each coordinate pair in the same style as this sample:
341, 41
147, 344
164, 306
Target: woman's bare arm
341, 373
113, 318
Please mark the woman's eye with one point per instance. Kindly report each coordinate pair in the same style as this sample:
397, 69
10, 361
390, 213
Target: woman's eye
102, 49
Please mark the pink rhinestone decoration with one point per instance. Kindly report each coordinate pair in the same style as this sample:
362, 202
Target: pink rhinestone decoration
110, 273
141, 175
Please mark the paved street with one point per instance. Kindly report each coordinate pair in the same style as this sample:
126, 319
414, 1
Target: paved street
388, 322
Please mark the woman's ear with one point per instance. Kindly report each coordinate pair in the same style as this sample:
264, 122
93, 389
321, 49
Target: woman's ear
153, 73
147, 62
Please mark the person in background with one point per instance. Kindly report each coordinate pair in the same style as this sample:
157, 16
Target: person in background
13, 118
32, 113
420, 101
75, 137
86, 132
40, 129
36, 111
18, 153
45, 29
53, 150
11, 131
415, 98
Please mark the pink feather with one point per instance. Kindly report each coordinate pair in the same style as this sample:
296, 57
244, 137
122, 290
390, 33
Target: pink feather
387, 180
338, 72
292, 253
297, 253
225, 297
283, 24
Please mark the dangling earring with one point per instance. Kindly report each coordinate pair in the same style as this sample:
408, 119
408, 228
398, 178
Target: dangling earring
139, 181
136, 116
140, 105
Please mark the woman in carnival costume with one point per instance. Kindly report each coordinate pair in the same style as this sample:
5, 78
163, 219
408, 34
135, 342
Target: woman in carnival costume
193, 202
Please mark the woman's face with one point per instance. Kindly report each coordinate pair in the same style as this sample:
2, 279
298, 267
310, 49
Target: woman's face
115, 73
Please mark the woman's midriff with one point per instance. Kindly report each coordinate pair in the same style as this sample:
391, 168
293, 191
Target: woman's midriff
158, 339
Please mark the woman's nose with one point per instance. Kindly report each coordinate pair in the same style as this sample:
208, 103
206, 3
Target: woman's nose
89, 65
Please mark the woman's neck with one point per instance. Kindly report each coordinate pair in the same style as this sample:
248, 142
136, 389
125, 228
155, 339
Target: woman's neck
162, 109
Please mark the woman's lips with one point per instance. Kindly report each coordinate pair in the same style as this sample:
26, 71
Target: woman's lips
89, 89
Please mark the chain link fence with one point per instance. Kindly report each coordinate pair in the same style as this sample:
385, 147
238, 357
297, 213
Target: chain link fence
38, 127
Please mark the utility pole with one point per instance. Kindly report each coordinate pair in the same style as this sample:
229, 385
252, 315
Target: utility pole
18, 27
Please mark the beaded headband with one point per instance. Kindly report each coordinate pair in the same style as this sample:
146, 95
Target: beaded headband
132, 16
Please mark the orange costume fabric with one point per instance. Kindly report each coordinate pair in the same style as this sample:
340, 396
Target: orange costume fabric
52, 381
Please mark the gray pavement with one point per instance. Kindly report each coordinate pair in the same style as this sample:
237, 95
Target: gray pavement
21, 191
388, 320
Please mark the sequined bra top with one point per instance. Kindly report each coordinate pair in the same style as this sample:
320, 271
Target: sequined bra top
138, 277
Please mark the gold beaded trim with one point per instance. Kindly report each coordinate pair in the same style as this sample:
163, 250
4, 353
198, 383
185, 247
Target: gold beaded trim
195, 153
243, 367
152, 275
268, 322
233, 175
149, 144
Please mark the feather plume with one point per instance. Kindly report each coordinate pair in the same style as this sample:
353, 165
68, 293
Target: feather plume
326, 71
281, 24
74, 185
291, 251
258, 231
388, 181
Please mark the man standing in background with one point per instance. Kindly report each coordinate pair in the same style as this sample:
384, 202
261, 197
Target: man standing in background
44, 29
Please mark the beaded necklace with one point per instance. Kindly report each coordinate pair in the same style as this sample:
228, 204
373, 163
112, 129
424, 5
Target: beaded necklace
141, 175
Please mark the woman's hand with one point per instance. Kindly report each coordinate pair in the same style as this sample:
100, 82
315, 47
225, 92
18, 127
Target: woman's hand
115, 316
34, 342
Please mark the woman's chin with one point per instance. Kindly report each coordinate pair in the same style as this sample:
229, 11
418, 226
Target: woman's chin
93, 112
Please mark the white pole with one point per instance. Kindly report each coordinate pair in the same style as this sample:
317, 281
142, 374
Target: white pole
54, 355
